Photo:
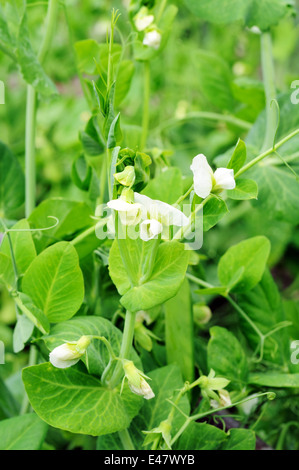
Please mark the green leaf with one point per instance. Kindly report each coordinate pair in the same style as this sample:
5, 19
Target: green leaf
32, 70
240, 439
214, 78
6, 273
213, 211
73, 217
201, 436
74, 401
87, 54
245, 189
274, 379
8, 405
6, 39
32, 312
252, 255
227, 357
25, 432
178, 317
264, 307
124, 79
97, 354
12, 183
54, 282
161, 285
163, 382
22, 333
167, 186
238, 157
114, 134
261, 13
22, 244
81, 173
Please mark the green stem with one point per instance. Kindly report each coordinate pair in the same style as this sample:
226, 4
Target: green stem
30, 169
146, 100
204, 115
126, 439
125, 349
270, 89
265, 154
161, 10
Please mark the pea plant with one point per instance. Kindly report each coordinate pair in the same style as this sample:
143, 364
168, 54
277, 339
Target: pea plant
130, 330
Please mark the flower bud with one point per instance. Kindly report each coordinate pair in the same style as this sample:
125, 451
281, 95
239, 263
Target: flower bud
68, 354
152, 39
202, 314
126, 177
143, 20
136, 380
158, 434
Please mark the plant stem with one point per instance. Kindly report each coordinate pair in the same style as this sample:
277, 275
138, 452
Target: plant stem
125, 349
270, 89
146, 99
204, 115
161, 10
266, 153
30, 169
32, 361
126, 439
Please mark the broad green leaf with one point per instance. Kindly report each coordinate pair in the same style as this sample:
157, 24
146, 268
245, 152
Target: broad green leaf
214, 79
109, 442
77, 402
91, 138
164, 382
87, 54
240, 439
97, 354
252, 255
261, 13
12, 183
6, 273
201, 436
245, 189
167, 186
54, 282
22, 244
278, 192
8, 405
226, 356
178, 317
274, 379
161, 285
238, 157
25, 432
264, 307
22, 333
72, 216
213, 211
32, 312
124, 79
31, 68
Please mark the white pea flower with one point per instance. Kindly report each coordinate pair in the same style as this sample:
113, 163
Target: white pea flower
129, 212
152, 39
136, 380
158, 215
206, 181
68, 354
143, 20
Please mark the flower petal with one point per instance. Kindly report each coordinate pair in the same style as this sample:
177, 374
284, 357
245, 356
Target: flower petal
149, 229
202, 176
224, 178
